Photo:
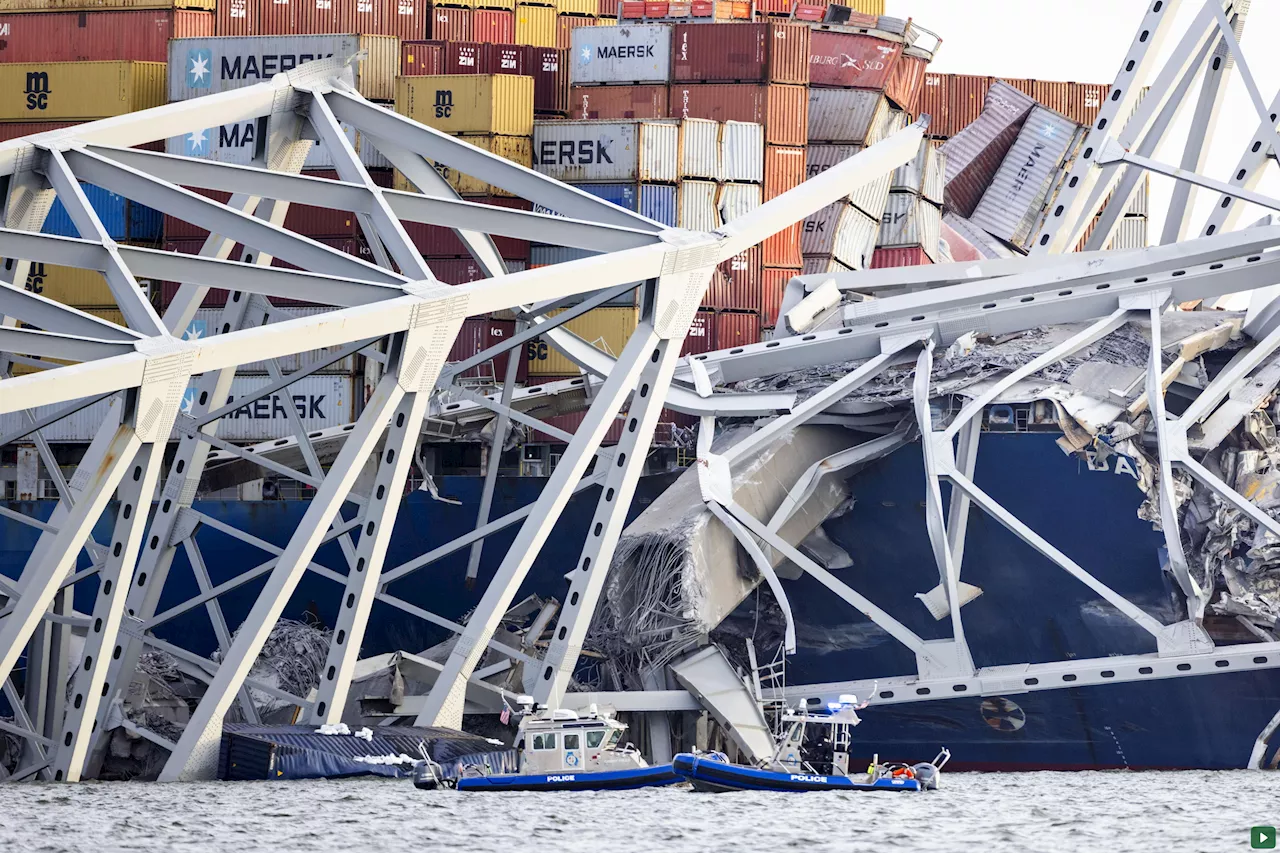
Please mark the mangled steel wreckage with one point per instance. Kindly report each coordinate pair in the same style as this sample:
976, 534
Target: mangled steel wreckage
1097, 464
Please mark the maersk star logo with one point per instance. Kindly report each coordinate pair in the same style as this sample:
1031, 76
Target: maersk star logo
199, 68
196, 143
188, 401
587, 51
195, 331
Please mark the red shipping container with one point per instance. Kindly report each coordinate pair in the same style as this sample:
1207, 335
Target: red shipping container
907, 81
450, 24
477, 335
783, 248
275, 17
14, 129
967, 95
618, 102
570, 423
98, 36
736, 286
810, 12
702, 9
783, 109
364, 16
767, 53
784, 169
656, 10
421, 58
493, 26
465, 57
701, 337
773, 285
548, 66
407, 20
322, 16
237, 18
566, 24
736, 329
912, 256
455, 270
434, 241
851, 60
631, 9
679, 10
934, 103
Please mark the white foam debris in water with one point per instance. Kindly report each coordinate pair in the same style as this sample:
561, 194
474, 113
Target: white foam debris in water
365, 733
385, 759
334, 729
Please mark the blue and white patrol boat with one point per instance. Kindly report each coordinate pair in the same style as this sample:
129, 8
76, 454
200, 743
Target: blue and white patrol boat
791, 770
562, 751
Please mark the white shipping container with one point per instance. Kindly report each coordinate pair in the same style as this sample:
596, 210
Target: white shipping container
607, 151
842, 232
987, 245
922, 175
700, 148
205, 323
742, 152
868, 198
738, 200
625, 54
821, 265
206, 66
235, 143
320, 401
846, 115
1027, 179
1003, 108
1131, 233
911, 221
698, 211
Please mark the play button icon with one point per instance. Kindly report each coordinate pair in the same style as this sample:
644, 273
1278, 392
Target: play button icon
1262, 838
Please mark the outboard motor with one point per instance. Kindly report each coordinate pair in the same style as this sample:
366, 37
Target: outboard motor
428, 776
927, 775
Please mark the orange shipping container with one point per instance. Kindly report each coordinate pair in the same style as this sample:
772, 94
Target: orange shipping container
907, 81
783, 248
493, 26
783, 109
618, 102
773, 284
104, 35
935, 104
566, 24
968, 93
419, 58
783, 170
450, 24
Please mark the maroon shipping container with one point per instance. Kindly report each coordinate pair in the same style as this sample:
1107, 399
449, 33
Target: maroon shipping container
570, 423
466, 57
749, 53
548, 66
773, 285
98, 36
967, 95
935, 102
851, 60
276, 17
701, 337
493, 26
1079, 102
436, 242
217, 297
783, 109
736, 329
450, 24
363, 16
907, 82
421, 58
619, 102
317, 222
477, 335
14, 129
407, 20
783, 248
505, 59
237, 18
455, 270
784, 169
736, 285
912, 256
320, 16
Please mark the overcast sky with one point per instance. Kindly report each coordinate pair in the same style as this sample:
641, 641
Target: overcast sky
1085, 41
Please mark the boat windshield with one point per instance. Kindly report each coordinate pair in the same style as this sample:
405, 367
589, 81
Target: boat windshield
614, 737
595, 737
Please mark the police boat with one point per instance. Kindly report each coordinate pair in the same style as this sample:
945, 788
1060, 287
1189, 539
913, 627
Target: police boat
562, 751
826, 735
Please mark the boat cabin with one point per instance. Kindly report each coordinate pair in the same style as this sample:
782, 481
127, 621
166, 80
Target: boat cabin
562, 741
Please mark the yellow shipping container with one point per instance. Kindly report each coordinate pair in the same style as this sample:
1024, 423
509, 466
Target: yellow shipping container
607, 329
79, 91
536, 25
101, 5
866, 7
517, 149
469, 103
69, 285
110, 314
589, 8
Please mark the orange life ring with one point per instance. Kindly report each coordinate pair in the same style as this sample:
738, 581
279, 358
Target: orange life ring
904, 771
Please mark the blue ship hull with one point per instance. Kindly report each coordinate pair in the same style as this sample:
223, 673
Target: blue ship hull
609, 780
1030, 611
708, 774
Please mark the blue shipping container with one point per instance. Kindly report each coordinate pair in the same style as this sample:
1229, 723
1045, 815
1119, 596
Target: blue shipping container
542, 255
123, 219
658, 202
623, 195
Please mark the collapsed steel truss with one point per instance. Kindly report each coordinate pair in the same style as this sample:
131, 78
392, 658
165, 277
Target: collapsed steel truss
395, 311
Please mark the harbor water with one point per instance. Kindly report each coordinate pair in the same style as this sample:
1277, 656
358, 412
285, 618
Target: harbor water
1106, 811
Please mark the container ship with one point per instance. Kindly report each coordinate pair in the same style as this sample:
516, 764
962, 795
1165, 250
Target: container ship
691, 114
